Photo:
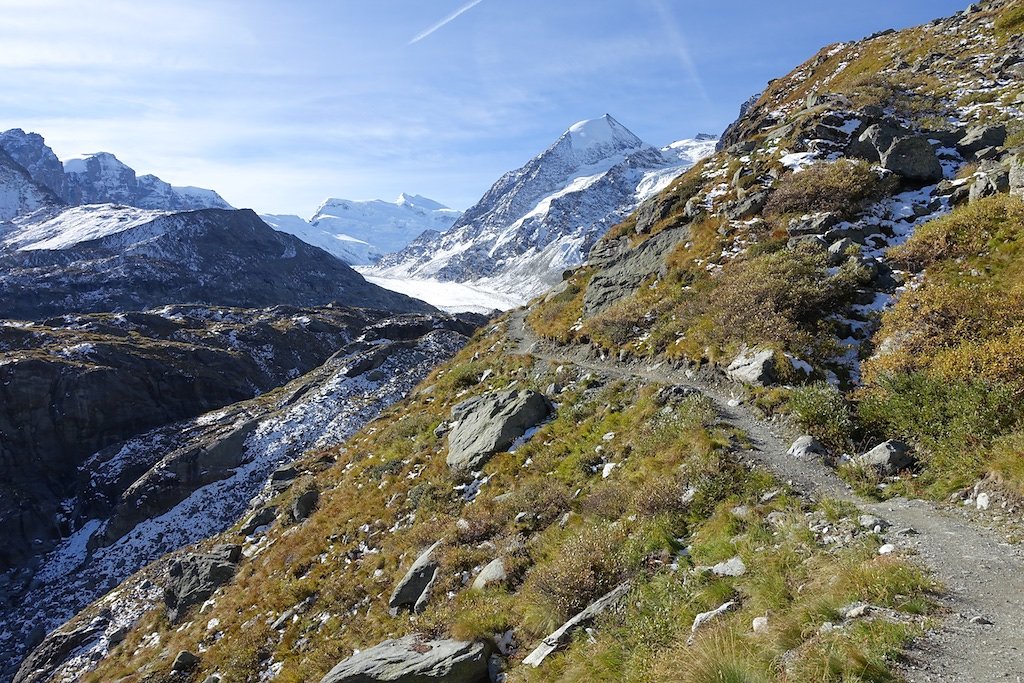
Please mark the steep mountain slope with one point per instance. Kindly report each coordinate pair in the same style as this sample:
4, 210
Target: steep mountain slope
101, 178
360, 232
587, 491
541, 219
114, 489
103, 258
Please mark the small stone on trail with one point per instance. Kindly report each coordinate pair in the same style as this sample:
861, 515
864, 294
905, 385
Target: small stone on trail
887, 549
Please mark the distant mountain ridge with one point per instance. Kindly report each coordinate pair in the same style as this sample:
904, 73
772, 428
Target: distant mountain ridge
113, 258
361, 232
100, 178
542, 218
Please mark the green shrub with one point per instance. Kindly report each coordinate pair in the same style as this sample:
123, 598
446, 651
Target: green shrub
953, 421
781, 298
821, 411
987, 227
1010, 21
841, 187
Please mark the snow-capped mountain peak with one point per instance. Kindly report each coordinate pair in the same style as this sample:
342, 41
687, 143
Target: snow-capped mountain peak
418, 201
360, 232
598, 137
542, 218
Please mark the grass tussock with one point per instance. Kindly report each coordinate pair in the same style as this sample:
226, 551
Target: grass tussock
556, 316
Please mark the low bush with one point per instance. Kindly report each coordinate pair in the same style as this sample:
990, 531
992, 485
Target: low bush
953, 421
841, 187
821, 411
588, 565
554, 317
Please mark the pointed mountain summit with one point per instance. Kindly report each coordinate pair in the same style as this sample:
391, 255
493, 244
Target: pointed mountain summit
542, 218
596, 139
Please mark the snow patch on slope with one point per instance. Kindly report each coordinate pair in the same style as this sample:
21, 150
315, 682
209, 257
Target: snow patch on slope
76, 225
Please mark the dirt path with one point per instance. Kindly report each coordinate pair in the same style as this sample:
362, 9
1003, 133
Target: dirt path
983, 575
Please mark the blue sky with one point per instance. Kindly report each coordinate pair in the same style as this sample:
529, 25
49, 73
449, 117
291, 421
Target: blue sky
278, 105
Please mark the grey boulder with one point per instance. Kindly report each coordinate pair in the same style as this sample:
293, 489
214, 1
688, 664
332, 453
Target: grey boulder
806, 447
754, 367
1016, 176
493, 573
415, 659
914, 159
414, 589
990, 184
978, 138
194, 578
887, 458
488, 424
258, 519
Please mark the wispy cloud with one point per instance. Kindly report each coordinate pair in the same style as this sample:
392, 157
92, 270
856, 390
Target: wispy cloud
680, 46
450, 18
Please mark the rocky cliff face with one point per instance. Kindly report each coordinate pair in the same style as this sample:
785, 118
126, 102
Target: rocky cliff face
100, 178
111, 489
103, 258
19, 193
32, 153
543, 218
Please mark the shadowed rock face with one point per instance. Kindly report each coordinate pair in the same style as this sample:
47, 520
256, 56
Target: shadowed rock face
152, 491
213, 256
31, 152
77, 384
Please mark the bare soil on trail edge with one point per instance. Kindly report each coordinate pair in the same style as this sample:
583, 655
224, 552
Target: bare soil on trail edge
982, 636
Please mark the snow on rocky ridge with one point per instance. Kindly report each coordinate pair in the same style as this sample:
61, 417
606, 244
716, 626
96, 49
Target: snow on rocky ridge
541, 219
319, 410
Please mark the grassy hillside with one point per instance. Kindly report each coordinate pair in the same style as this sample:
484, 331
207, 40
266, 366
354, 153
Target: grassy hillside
887, 288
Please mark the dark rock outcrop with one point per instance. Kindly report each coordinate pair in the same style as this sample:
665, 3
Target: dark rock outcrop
914, 159
413, 591
32, 153
57, 647
978, 138
621, 268
213, 256
193, 579
303, 505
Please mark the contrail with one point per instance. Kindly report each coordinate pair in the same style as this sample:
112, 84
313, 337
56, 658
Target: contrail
682, 49
451, 17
